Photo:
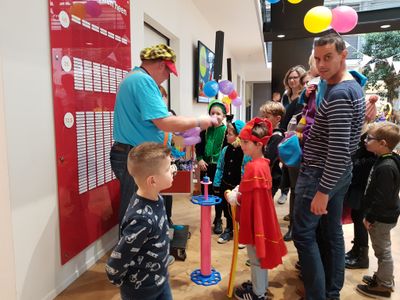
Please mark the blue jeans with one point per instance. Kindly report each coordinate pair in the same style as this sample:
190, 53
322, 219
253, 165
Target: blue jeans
319, 239
165, 294
119, 159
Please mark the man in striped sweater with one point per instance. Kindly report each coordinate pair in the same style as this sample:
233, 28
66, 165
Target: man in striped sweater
326, 173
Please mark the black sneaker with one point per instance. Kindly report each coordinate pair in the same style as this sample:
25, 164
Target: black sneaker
218, 227
374, 290
242, 294
369, 279
225, 237
248, 286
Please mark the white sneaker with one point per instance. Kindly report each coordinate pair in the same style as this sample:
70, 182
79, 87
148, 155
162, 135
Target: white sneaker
241, 246
282, 199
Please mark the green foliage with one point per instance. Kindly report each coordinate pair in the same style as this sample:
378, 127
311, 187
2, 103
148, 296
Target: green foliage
382, 45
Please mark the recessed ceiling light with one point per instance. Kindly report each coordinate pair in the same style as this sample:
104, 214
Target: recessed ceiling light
280, 36
386, 26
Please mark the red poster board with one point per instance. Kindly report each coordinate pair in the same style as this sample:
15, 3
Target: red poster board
90, 54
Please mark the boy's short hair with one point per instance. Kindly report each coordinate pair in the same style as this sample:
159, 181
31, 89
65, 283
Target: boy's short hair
387, 131
144, 160
273, 108
331, 38
260, 130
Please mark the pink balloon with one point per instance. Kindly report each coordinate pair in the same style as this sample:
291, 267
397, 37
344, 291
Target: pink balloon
93, 8
344, 18
192, 140
237, 102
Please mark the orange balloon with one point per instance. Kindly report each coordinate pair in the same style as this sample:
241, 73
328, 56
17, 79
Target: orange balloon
78, 9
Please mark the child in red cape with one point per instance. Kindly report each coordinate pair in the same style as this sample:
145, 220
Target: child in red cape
259, 227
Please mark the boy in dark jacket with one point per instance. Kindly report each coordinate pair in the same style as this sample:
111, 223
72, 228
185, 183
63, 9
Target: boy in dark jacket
382, 205
274, 111
138, 263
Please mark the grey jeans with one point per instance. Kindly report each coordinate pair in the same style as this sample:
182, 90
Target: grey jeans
259, 276
382, 245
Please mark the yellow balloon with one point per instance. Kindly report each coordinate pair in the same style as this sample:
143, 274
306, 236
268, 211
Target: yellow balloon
294, 1
226, 100
318, 19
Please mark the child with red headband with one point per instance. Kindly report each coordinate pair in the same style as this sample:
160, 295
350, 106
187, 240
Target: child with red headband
259, 227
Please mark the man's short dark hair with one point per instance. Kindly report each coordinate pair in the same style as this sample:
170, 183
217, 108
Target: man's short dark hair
331, 38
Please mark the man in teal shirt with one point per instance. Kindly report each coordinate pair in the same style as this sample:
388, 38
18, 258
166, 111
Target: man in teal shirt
140, 114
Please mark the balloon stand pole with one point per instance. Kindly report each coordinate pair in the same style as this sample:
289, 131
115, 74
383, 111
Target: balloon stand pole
206, 275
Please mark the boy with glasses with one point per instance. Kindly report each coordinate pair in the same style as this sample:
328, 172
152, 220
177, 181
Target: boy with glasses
382, 205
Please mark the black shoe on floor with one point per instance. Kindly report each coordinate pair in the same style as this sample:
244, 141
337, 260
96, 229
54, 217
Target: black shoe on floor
359, 261
374, 290
218, 226
226, 236
353, 253
243, 294
248, 285
369, 279
288, 236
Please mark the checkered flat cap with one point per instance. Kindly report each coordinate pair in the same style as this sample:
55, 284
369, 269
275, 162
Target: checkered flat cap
158, 51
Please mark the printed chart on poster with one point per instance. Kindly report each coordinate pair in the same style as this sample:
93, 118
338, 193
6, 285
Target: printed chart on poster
90, 54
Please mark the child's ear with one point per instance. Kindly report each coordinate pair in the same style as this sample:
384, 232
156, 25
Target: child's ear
150, 180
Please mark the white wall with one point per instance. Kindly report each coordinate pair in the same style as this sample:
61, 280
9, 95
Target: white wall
28, 144
7, 264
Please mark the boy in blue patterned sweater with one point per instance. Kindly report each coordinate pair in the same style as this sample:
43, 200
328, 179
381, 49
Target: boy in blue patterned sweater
138, 264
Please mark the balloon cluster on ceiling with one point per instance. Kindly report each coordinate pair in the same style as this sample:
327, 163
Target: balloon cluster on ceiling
320, 18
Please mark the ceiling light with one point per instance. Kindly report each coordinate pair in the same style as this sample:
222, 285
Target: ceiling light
280, 36
386, 26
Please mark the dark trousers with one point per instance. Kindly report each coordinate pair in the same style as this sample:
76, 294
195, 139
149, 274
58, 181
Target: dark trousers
360, 233
285, 180
168, 207
293, 173
118, 159
226, 208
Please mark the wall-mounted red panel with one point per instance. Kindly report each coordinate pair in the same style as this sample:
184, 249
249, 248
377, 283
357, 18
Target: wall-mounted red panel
90, 54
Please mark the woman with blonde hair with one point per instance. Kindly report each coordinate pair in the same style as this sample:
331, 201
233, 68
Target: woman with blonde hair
293, 85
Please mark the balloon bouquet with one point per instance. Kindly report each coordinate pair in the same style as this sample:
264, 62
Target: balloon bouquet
211, 89
320, 18
342, 19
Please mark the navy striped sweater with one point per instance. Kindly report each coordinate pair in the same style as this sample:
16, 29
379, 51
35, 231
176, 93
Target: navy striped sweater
336, 131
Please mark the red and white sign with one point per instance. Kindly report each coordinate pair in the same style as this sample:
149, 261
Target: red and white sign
90, 55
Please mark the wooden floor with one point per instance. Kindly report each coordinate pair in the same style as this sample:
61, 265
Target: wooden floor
284, 282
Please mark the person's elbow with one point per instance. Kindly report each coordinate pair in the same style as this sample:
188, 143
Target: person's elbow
164, 124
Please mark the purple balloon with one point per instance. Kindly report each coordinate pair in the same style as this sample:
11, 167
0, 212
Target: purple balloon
344, 18
191, 132
225, 87
192, 140
237, 102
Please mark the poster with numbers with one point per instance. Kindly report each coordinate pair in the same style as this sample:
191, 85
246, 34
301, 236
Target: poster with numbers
90, 55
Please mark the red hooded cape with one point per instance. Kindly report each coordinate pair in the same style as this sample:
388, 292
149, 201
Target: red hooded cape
257, 216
